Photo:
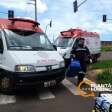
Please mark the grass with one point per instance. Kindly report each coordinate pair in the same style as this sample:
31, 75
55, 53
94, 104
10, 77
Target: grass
106, 48
105, 77
101, 64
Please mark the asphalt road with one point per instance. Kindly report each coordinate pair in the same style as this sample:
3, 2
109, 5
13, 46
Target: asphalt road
63, 98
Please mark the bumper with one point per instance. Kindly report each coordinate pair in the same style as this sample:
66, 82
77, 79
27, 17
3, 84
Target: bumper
35, 79
96, 55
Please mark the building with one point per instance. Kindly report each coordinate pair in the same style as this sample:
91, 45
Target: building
106, 43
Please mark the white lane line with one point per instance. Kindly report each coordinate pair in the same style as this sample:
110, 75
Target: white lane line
76, 77
46, 94
7, 99
70, 86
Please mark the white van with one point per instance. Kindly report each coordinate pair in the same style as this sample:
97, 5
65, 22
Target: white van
27, 57
68, 39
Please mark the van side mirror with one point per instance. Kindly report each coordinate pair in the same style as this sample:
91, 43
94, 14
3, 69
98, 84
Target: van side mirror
1, 50
1, 46
55, 47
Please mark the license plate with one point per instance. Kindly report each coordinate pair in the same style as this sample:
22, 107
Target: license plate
49, 83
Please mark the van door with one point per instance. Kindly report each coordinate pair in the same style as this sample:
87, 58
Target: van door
93, 43
1, 48
69, 48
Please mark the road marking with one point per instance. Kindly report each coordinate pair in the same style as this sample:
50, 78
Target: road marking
46, 94
70, 86
76, 77
7, 99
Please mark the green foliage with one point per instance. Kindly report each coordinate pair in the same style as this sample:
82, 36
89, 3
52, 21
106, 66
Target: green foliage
106, 48
105, 77
102, 64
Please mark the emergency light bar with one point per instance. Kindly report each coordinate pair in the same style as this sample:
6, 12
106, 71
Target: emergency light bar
78, 32
66, 33
24, 20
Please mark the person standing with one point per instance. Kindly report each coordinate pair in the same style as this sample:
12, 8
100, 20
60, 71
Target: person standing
81, 53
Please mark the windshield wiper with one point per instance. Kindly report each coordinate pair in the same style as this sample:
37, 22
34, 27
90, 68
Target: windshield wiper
41, 48
38, 48
62, 46
23, 47
15, 46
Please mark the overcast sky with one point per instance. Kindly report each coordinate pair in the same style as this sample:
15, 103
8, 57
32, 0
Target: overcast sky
88, 17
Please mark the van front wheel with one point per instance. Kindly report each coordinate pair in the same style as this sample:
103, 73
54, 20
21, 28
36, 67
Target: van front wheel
5, 84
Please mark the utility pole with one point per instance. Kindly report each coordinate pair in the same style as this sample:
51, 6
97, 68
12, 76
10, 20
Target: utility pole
35, 4
35, 10
3, 13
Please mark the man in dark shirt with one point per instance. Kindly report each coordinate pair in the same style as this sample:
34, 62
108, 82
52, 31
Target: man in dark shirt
81, 53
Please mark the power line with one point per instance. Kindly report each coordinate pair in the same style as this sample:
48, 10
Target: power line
76, 6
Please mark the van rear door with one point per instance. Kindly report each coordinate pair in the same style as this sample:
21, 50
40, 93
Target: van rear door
93, 43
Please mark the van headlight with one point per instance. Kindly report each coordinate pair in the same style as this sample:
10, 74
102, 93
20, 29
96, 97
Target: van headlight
24, 68
62, 64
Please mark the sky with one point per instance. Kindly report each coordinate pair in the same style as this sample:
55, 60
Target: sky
88, 16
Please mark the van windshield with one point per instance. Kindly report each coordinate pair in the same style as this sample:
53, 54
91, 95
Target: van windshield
27, 40
62, 42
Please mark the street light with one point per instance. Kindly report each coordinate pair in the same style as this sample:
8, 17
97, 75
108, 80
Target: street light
76, 6
3, 13
10, 13
35, 4
104, 19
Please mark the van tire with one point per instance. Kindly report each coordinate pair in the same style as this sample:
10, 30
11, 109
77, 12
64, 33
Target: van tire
94, 58
58, 83
3, 88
